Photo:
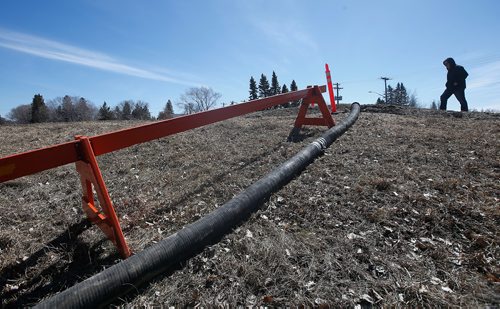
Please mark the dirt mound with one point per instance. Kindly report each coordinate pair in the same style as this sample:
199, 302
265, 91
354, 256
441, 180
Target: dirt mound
401, 211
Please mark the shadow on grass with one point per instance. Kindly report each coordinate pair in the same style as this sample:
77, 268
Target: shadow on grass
84, 261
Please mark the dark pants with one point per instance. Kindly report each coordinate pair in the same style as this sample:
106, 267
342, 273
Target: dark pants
459, 94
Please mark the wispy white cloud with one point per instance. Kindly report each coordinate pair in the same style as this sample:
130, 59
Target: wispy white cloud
53, 50
287, 34
484, 81
485, 76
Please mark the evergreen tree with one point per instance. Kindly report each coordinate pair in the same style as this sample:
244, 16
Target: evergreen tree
399, 95
141, 111
284, 89
403, 95
167, 112
275, 86
253, 89
434, 105
264, 88
66, 111
136, 112
118, 113
169, 109
390, 95
39, 112
293, 87
126, 111
396, 95
105, 112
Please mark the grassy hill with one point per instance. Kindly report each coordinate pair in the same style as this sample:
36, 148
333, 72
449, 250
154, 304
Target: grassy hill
402, 210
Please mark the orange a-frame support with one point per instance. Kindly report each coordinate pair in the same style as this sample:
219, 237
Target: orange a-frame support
91, 179
325, 120
84, 150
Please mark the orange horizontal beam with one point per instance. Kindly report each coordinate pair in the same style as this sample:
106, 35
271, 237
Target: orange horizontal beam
38, 160
27, 163
109, 142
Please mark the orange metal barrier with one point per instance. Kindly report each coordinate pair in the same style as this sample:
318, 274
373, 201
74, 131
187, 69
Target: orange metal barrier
84, 150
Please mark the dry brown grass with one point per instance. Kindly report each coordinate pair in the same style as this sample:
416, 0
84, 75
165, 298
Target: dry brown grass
401, 211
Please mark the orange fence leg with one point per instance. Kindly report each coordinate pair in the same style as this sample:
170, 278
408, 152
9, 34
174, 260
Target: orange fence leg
91, 179
325, 120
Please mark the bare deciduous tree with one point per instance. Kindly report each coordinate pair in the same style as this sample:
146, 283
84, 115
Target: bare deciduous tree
85, 110
69, 109
21, 113
198, 99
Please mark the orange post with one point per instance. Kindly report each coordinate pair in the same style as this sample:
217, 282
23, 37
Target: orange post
330, 88
91, 179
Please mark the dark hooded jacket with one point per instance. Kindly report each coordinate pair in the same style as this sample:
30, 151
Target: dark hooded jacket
456, 75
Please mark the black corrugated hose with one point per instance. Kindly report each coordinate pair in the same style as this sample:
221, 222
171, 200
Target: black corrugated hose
104, 287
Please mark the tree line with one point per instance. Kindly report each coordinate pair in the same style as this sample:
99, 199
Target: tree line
264, 89
71, 109
399, 96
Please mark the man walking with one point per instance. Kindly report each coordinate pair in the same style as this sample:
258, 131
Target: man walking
455, 84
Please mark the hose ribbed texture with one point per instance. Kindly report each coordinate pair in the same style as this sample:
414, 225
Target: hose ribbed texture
119, 279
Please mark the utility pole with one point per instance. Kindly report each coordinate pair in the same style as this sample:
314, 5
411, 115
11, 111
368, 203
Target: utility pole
337, 97
385, 79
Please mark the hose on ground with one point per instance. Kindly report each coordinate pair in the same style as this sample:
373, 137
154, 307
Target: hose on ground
104, 287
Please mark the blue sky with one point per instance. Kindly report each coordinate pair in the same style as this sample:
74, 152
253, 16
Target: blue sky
155, 50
